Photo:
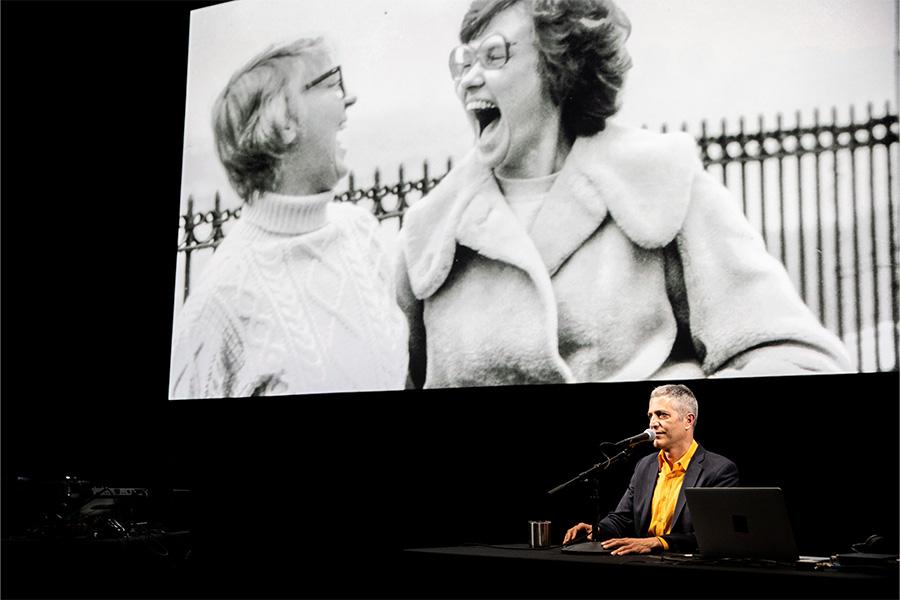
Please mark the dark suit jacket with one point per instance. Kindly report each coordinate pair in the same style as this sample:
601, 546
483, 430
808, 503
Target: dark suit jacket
632, 516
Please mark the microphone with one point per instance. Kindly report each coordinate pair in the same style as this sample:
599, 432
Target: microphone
648, 435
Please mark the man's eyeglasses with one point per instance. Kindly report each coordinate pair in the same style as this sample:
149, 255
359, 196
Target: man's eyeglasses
338, 85
492, 53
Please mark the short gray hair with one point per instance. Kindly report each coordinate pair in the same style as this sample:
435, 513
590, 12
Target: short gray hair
680, 394
251, 111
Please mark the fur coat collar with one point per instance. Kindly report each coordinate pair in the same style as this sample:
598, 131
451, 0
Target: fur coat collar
639, 179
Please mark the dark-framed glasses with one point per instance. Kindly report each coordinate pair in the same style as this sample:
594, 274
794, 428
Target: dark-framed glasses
334, 78
492, 53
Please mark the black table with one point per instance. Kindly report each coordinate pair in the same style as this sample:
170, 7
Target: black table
518, 571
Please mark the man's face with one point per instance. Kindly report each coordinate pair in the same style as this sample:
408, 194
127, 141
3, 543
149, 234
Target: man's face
670, 426
505, 105
322, 155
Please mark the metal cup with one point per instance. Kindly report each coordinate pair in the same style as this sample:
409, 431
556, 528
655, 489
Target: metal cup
540, 534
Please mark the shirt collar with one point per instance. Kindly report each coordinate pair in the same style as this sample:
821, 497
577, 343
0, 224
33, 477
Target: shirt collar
682, 463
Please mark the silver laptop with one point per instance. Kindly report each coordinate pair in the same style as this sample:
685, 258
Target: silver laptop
742, 522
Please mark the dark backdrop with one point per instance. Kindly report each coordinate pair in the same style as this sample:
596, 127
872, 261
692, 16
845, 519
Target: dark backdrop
314, 494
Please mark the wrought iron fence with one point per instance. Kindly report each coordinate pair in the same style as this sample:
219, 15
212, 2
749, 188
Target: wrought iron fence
205, 230
822, 194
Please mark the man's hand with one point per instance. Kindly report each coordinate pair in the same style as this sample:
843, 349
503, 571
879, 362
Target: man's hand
622, 546
572, 533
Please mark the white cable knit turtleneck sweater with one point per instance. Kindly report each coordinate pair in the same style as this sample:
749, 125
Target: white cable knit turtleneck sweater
297, 299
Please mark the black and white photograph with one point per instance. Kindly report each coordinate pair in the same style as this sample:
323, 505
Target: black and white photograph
556, 192
450, 299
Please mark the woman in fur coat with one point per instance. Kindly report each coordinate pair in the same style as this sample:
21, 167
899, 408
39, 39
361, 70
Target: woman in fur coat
566, 248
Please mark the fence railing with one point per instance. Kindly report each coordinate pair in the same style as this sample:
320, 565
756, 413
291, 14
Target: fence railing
822, 194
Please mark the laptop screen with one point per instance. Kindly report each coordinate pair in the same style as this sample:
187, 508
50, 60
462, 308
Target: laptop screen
737, 522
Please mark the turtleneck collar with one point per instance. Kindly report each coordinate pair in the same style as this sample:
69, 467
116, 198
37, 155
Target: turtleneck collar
525, 190
292, 215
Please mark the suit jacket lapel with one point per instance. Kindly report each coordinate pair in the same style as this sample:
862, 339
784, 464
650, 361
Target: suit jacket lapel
647, 486
690, 480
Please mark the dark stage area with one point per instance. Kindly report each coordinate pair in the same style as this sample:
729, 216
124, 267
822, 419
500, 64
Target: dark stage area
320, 495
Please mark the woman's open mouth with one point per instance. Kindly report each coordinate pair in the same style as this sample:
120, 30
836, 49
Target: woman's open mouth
492, 131
486, 114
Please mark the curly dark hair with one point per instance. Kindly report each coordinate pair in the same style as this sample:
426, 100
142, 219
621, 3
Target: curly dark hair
582, 55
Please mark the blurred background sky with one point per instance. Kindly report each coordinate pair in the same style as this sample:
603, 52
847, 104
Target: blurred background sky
693, 59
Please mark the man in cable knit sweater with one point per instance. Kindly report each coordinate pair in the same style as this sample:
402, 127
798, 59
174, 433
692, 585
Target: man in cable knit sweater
298, 298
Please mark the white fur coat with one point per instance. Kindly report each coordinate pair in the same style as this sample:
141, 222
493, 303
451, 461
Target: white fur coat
639, 265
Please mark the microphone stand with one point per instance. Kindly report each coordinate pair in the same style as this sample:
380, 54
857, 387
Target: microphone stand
590, 476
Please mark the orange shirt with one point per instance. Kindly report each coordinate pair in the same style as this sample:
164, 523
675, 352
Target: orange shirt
665, 494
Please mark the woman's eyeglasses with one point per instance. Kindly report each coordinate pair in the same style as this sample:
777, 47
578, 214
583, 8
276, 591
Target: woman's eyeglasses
492, 53
338, 85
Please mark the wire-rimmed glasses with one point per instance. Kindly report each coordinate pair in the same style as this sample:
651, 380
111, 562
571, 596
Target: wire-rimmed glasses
492, 53
338, 85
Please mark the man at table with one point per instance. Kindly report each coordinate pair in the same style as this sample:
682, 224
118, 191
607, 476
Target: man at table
652, 515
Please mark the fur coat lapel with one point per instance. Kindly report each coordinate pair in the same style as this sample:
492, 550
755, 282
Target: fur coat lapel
628, 174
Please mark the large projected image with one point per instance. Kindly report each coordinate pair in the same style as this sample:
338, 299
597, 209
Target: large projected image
379, 195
